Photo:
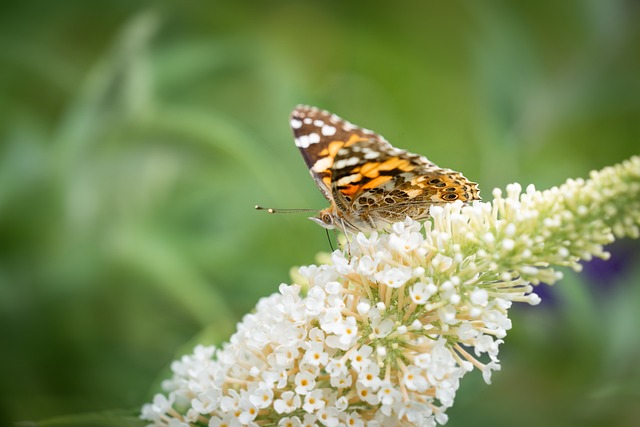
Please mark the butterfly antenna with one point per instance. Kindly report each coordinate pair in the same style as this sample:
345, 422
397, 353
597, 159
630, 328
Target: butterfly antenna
286, 210
346, 235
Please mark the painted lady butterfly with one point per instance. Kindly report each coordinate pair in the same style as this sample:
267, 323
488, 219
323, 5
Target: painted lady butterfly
369, 183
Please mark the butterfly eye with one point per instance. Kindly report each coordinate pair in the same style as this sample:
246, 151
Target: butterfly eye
324, 219
327, 218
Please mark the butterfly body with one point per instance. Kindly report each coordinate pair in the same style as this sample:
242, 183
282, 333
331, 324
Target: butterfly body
368, 182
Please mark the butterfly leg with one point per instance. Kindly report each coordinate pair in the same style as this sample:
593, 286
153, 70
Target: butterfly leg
346, 236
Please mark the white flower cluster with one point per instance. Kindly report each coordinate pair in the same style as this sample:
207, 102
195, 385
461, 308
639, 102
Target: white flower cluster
387, 329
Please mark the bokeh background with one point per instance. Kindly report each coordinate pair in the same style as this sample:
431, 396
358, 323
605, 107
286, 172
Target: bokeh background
135, 138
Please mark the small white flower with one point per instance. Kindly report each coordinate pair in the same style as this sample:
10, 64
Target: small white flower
284, 355
305, 381
361, 358
421, 292
415, 380
389, 397
448, 314
441, 263
367, 266
367, 394
161, 405
405, 242
288, 402
316, 334
363, 307
261, 397
309, 420
328, 416
333, 288
382, 327
393, 277
248, 414
315, 354
353, 419
348, 334
340, 262
417, 413
207, 401
289, 422
332, 320
315, 301
337, 367
341, 404
314, 401
369, 377
479, 297
225, 421
230, 402
341, 380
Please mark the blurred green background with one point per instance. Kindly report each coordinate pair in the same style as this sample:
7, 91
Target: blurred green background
135, 138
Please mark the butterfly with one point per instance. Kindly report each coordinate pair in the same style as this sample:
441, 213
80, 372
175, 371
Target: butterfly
369, 183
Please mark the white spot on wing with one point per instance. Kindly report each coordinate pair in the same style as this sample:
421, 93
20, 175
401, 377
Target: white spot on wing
314, 138
302, 141
322, 164
296, 124
370, 154
307, 121
340, 164
349, 179
318, 122
328, 130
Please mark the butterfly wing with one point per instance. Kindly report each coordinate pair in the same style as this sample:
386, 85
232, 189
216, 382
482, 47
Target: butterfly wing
319, 135
380, 182
366, 179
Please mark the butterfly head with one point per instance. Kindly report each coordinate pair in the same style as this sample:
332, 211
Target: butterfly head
331, 218
325, 218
